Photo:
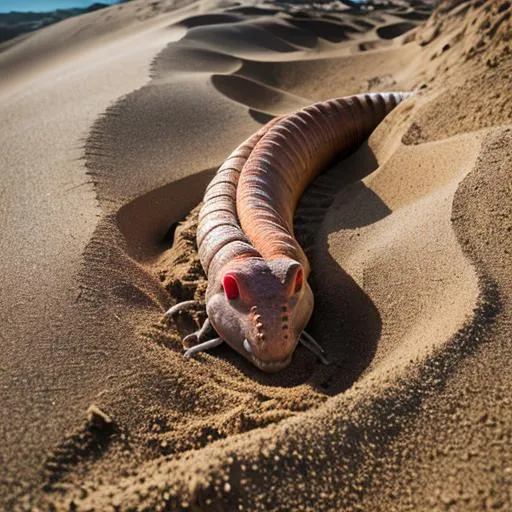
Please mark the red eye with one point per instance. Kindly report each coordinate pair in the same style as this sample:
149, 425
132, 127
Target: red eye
230, 287
299, 279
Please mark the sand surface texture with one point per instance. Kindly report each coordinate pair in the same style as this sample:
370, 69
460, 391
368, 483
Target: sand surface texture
112, 124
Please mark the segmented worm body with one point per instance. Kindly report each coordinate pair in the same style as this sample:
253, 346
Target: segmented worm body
258, 299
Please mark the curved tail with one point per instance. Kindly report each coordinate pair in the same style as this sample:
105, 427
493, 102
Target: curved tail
288, 157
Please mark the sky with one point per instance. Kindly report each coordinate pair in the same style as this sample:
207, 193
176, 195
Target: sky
45, 5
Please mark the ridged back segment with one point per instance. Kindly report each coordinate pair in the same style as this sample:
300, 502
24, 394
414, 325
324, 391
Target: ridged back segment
290, 155
219, 236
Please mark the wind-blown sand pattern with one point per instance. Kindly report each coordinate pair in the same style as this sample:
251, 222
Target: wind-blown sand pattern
112, 125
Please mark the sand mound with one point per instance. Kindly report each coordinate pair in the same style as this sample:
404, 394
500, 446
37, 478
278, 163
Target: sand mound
257, 96
394, 30
410, 249
287, 31
210, 19
254, 11
325, 29
243, 39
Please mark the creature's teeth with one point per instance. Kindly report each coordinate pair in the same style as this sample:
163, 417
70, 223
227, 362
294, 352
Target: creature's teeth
270, 365
247, 346
259, 326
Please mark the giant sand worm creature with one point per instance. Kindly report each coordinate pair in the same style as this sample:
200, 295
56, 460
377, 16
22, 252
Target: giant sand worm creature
258, 299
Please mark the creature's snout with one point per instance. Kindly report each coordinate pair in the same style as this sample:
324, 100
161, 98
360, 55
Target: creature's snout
266, 297
271, 336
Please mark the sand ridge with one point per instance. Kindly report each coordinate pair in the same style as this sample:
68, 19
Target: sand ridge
409, 270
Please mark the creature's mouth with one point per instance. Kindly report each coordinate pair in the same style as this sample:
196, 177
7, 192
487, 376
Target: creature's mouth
270, 366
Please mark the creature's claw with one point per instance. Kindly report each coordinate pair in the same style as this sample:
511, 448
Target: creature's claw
178, 307
312, 340
207, 345
197, 337
192, 342
312, 345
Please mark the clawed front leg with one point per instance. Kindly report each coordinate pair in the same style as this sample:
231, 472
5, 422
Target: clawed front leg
207, 345
194, 342
179, 307
312, 345
198, 336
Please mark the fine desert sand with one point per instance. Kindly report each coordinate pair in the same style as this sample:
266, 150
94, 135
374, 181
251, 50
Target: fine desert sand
111, 125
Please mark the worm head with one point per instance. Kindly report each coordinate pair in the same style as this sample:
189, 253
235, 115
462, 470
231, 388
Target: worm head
261, 308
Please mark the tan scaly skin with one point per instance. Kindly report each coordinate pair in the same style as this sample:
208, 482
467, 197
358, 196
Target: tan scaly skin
258, 299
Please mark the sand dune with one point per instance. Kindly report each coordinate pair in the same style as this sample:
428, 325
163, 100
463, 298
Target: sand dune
109, 141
